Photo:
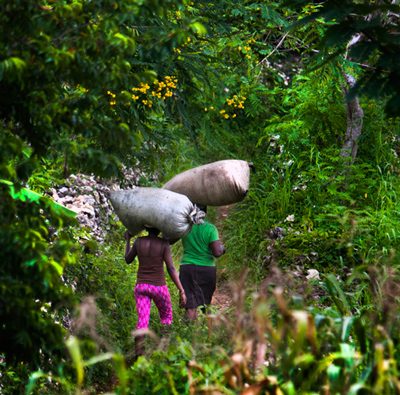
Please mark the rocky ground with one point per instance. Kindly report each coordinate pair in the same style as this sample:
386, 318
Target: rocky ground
88, 196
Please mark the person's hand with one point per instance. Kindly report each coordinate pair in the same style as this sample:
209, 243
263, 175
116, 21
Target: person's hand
182, 299
223, 249
127, 235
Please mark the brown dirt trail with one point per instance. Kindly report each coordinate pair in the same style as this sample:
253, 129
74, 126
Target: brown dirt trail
222, 299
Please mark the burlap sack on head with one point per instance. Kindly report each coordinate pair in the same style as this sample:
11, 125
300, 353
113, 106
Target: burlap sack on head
173, 214
216, 184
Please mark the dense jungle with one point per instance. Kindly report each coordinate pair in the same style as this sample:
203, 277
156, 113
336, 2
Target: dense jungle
130, 93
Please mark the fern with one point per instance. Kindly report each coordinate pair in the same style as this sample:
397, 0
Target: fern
253, 107
271, 15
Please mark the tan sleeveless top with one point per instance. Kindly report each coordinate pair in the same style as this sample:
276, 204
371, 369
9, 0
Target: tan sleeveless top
151, 271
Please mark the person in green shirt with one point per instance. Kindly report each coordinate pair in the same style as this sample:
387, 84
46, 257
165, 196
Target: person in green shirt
197, 273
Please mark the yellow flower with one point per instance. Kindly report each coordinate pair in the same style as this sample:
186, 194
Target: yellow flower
211, 108
222, 111
188, 39
240, 48
226, 116
234, 116
205, 109
366, 195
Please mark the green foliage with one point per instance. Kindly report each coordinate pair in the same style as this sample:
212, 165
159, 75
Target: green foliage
73, 373
309, 349
88, 120
13, 378
165, 86
165, 373
272, 341
105, 276
60, 62
31, 288
344, 213
375, 25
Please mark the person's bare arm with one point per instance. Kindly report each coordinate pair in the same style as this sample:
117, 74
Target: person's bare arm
130, 253
217, 248
173, 273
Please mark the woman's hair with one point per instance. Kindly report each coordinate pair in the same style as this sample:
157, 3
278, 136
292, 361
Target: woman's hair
153, 231
202, 207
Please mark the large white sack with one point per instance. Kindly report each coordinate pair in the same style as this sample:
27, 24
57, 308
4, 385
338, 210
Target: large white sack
216, 184
173, 214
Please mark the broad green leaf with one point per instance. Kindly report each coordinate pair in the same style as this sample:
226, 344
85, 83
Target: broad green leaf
347, 323
75, 352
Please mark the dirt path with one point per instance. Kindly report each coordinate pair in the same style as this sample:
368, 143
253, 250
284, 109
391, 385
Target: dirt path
222, 295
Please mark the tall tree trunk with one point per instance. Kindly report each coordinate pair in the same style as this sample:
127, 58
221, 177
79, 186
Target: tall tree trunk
355, 116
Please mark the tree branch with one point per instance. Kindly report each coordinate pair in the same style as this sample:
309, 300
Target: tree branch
355, 116
279, 44
73, 29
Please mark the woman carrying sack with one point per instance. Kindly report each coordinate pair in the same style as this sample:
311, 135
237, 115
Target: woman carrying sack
152, 251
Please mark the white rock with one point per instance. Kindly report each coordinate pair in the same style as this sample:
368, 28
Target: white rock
313, 274
67, 199
96, 196
63, 190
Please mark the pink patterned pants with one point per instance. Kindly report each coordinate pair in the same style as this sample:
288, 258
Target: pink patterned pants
144, 293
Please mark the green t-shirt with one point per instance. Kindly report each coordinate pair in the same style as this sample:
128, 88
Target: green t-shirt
196, 249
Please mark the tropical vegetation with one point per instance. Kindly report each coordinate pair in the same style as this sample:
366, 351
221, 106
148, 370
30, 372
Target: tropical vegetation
306, 91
